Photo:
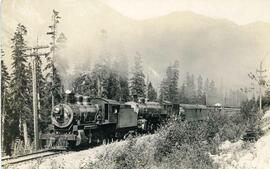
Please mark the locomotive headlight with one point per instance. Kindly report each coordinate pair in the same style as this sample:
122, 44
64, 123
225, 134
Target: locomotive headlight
56, 110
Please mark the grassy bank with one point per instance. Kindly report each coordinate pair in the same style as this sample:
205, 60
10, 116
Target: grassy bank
179, 144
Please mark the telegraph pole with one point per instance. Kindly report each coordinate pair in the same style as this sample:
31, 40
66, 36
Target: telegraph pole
53, 33
261, 82
34, 54
260, 79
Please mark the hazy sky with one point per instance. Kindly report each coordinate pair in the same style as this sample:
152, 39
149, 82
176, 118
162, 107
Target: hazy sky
239, 11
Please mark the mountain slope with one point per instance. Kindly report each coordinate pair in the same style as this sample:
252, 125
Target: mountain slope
215, 48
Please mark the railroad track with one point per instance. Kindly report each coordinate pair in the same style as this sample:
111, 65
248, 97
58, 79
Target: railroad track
29, 157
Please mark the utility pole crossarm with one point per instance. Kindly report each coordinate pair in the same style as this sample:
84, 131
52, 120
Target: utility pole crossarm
34, 54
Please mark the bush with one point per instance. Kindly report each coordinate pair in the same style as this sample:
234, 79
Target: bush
134, 153
178, 144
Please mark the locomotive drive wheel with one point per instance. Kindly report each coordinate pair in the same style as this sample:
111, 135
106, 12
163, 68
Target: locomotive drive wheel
97, 137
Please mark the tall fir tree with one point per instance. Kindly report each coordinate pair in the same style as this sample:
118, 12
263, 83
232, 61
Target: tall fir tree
83, 85
54, 87
190, 88
100, 76
200, 93
137, 81
20, 91
212, 93
43, 111
151, 92
174, 82
29, 100
183, 94
206, 87
169, 85
5, 107
188, 85
122, 68
113, 88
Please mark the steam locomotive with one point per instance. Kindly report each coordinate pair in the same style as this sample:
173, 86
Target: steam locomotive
83, 121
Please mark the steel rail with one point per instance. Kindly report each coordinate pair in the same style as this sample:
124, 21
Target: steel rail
28, 157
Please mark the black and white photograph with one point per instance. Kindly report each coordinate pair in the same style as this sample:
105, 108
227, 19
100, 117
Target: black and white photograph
135, 84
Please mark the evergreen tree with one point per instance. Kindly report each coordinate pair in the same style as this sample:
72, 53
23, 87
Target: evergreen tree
113, 87
266, 98
190, 88
151, 92
166, 86
100, 76
5, 108
220, 93
169, 85
113, 82
188, 85
122, 67
54, 87
29, 100
83, 85
163, 90
43, 111
137, 83
212, 93
20, 81
124, 89
200, 94
53, 84
206, 86
183, 94
174, 82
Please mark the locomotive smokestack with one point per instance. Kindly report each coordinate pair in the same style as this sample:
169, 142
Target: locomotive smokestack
86, 100
79, 99
135, 98
69, 97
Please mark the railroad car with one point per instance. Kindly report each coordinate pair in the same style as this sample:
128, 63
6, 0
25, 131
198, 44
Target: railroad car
224, 110
191, 112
